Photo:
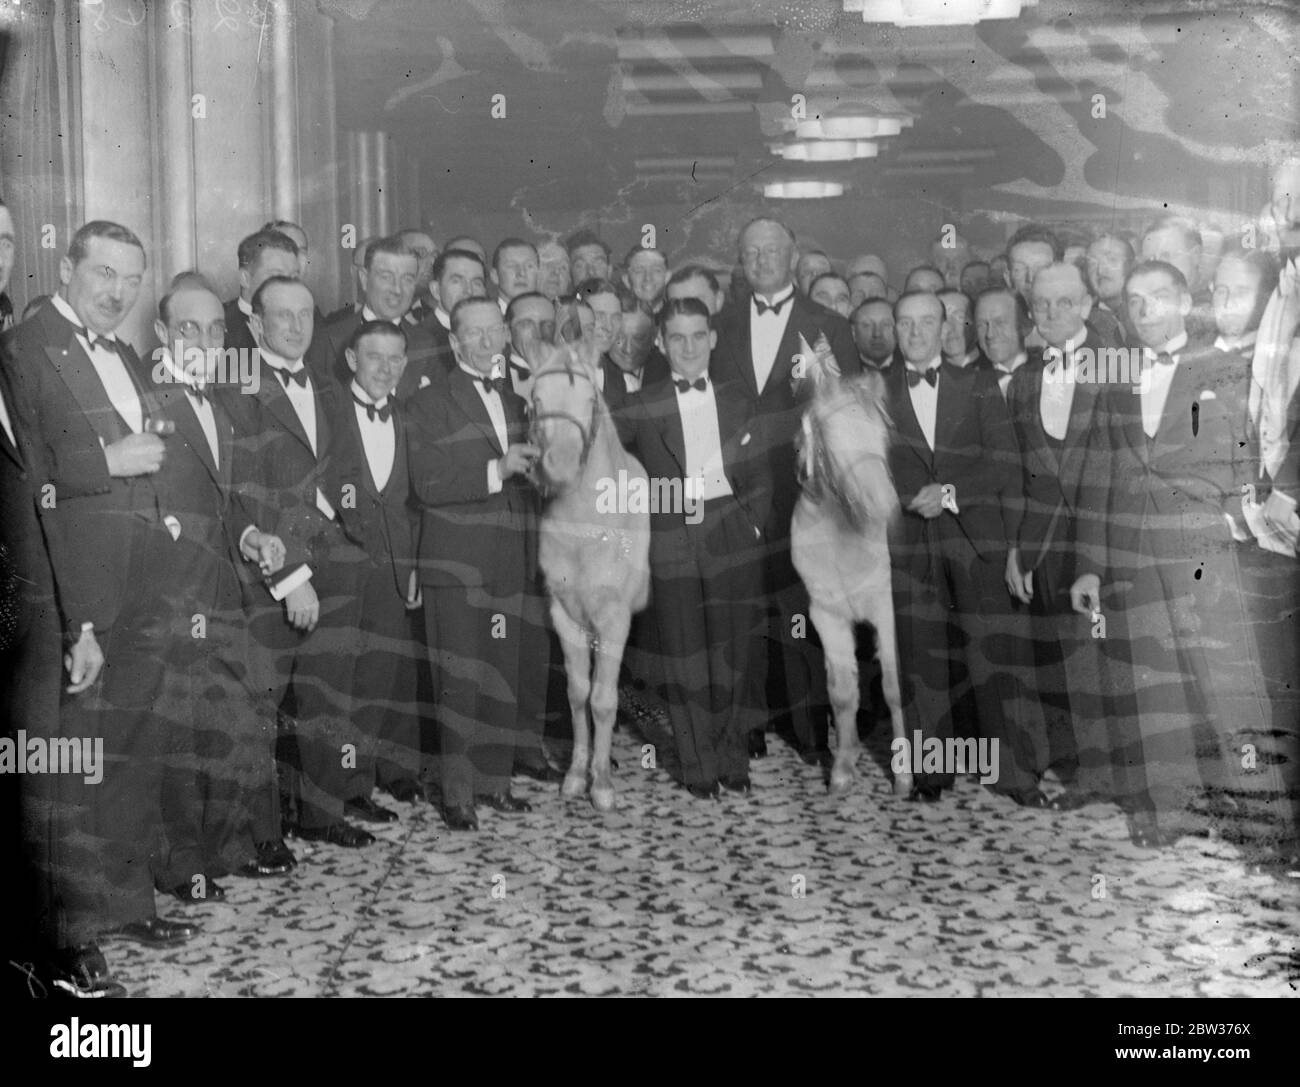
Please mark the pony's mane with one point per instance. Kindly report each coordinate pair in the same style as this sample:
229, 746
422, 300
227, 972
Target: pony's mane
833, 394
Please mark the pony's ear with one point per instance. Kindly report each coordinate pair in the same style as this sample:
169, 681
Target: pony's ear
537, 353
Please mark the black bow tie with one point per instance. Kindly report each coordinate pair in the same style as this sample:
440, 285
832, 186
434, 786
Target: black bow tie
684, 386
299, 375
1164, 358
775, 307
373, 411
930, 376
493, 384
200, 394
105, 342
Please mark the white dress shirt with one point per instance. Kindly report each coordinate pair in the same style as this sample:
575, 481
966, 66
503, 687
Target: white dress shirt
303, 400
706, 477
632, 381
367, 314
1237, 345
378, 436
925, 398
766, 332
1156, 379
202, 407
1056, 396
1005, 370
112, 371
442, 317
497, 413
246, 308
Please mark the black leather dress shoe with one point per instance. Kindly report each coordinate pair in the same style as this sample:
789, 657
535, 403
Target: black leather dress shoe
816, 756
504, 802
157, 932
1031, 798
703, 791
205, 890
925, 794
458, 818
406, 791
1070, 800
1145, 832
757, 744
344, 834
271, 859
740, 784
82, 972
365, 809
544, 773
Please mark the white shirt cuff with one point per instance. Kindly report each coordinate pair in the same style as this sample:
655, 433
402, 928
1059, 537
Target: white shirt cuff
243, 536
300, 576
495, 485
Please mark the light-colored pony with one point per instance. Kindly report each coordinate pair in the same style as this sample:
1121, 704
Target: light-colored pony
839, 543
596, 560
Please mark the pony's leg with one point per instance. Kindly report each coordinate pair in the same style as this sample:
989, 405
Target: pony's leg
836, 634
881, 615
611, 638
577, 669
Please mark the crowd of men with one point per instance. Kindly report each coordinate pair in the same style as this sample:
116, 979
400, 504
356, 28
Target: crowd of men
288, 562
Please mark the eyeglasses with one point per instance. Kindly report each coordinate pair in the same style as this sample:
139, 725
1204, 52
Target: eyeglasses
771, 252
190, 330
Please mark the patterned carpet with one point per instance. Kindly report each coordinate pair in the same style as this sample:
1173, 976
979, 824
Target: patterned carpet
786, 892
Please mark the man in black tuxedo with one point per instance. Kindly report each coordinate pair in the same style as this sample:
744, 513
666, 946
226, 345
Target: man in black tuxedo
530, 319
1002, 322
1108, 262
388, 280
1161, 566
759, 341
696, 281
303, 620
1053, 417
216, 750
369, 486
954, 464
872, 324
958, 342
468, 460
421, 243
457, 274
1177, 241
262, 255
607, 305
645, 271
705, 555
93, 429
514, 270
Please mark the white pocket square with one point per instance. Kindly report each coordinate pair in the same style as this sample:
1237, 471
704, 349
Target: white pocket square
173, 526
424, 381
1209, 394
744, 439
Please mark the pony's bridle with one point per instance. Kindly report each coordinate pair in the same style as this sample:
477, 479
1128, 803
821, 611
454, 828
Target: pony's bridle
588, 432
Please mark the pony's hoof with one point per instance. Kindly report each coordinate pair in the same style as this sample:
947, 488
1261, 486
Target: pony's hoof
602, 798
841, 781
903, 785
574, 786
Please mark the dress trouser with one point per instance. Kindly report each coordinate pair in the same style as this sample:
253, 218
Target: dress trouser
216, 753
475, 639
105, 831
792, 685
384, 689
705, 594
953, 637
318, 667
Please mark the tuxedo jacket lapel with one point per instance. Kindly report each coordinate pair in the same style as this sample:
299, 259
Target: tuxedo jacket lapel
946, 411
78, 373
272, 395
1076, 436
661, 402
905, 420
182, 410
745, 350
471, 404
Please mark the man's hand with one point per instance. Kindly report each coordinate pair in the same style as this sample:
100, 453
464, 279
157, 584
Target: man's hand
518, 460
414, 597
83, 662
1085, 594
302, 608
135, 455
928, 501
1019, 584
265, 550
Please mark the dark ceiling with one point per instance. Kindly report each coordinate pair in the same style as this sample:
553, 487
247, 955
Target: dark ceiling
667, 103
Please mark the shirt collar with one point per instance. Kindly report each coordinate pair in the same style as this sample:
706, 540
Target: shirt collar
61, 304
246, 308
180, 376
1173, 346
476, 375
1015, 365
443, 317
367, 314
934, 364
364, 396
778, 298
1237, 343
279, 362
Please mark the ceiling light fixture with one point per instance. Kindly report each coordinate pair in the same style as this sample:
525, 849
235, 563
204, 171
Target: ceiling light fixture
936, 12
802, 190
826, 150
